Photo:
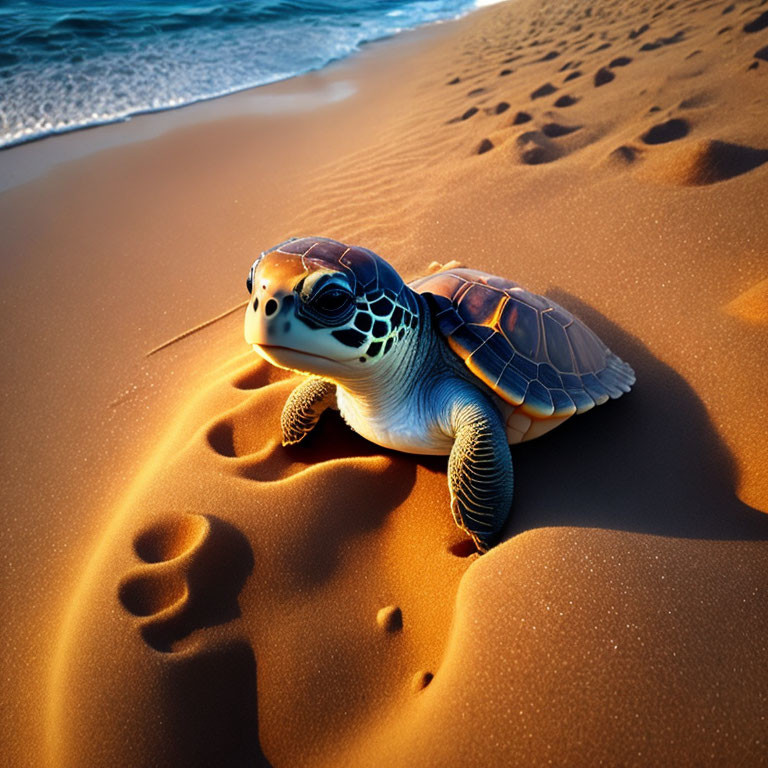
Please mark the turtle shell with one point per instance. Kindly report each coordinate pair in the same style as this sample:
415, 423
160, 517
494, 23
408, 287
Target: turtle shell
530, 351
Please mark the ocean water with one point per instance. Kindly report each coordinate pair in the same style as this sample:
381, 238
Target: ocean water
68, 65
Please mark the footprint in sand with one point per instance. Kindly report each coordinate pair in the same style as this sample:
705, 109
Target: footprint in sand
603, 76
193, 569
486, 145
620, 61
465, 116
521, 117
660, 42
572, 76
662, 133
547, 57
569, 65
757, 24
240, 446
536, 148
164, 630
565, 101
544, 90
624, 155
556, 130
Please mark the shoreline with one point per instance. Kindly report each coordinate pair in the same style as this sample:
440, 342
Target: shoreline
380, 36
302, 92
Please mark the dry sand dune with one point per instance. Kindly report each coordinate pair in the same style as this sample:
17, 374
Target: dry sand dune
237, 603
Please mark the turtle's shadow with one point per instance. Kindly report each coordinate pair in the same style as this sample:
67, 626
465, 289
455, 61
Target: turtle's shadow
651, 462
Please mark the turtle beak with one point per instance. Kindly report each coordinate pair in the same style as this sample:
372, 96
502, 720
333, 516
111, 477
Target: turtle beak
272, 298
267, 313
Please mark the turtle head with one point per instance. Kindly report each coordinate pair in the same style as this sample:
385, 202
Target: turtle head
320, 307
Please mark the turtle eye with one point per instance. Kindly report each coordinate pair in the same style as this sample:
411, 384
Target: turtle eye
333, 301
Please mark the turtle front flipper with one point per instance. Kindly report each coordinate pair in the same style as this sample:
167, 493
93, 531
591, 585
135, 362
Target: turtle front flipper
304, 407
480, 474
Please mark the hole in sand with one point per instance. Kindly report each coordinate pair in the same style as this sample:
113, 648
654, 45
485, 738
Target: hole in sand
464, 548
170, 538
544, 90
484, 146
521, 117
421, 680
555, 130
221, 437
662, 133
566, 101
536, 148
758, 24
148, 594
603, 76
624, 154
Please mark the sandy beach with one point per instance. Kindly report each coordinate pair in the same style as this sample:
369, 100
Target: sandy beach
179, 589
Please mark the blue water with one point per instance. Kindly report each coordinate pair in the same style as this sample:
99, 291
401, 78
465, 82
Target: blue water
67, 65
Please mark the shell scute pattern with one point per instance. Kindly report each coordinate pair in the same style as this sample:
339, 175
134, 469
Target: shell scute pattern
479, 305
529, 350
520, 324
558, 348
513, 385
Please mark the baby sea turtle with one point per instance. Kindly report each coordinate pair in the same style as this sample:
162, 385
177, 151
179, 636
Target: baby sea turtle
458, 363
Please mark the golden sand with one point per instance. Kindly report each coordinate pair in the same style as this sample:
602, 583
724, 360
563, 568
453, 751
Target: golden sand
181, 590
